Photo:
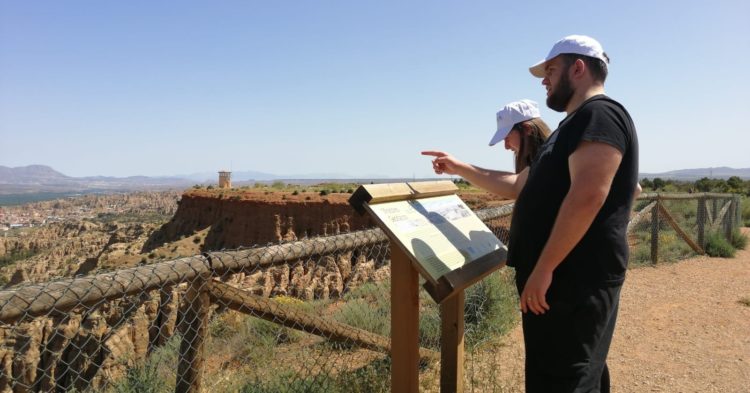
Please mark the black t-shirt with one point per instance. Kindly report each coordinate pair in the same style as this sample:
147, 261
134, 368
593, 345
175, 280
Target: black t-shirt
601, 257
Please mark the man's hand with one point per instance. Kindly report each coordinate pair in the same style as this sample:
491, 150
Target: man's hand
444, 162
534, 293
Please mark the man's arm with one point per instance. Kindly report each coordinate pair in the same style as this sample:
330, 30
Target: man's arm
592, 168
505, 184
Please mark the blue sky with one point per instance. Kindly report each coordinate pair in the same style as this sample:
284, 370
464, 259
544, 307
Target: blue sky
357, 88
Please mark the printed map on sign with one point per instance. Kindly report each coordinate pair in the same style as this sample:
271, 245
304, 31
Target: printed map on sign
441, 232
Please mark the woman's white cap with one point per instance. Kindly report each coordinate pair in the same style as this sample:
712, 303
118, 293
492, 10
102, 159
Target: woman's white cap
511, 114
573, 44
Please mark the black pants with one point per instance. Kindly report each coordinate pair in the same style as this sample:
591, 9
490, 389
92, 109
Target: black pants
566, 348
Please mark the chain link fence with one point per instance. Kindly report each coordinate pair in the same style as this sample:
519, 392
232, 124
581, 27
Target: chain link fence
304, 316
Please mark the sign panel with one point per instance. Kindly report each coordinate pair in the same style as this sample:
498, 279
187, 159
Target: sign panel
441, 233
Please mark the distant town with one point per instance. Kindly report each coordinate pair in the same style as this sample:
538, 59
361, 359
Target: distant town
86, 207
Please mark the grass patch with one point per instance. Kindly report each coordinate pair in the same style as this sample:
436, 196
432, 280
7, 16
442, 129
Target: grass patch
14, 257
673, 248
372, 378
489, 310
640, 255
247, 338
367, 307
154, 375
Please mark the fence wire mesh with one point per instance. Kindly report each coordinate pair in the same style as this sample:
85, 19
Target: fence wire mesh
303, 316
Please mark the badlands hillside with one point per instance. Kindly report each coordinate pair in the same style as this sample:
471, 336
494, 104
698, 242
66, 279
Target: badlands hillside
87, 234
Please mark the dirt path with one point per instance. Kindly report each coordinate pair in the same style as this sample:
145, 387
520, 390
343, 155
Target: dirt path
682, 327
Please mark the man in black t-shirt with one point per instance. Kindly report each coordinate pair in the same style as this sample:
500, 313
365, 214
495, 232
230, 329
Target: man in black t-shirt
568, 233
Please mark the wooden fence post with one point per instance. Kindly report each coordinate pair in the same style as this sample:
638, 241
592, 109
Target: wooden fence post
655, 232
729, 219
404, 323
195, 318
452, 344
738, 209
714, 208
700, 217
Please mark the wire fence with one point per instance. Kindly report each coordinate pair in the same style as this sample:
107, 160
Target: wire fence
304, 316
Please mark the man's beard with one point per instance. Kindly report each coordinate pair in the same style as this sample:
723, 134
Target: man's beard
560, 97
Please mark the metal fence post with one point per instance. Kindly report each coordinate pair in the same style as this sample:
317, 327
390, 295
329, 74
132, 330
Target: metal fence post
655, 232
700, 218
195, 318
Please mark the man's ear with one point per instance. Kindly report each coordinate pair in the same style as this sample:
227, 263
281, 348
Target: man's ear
577, 69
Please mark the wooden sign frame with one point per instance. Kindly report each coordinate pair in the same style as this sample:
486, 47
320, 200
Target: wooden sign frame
447, 290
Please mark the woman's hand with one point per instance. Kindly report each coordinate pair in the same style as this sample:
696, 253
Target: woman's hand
444, 163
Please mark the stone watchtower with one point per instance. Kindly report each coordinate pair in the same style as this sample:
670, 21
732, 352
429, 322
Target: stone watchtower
225, 179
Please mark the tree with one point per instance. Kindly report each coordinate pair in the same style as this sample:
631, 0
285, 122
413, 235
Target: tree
659, 183
703, 185
735, 184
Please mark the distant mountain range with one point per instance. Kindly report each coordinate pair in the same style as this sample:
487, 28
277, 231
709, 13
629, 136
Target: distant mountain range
41, 178
695, 174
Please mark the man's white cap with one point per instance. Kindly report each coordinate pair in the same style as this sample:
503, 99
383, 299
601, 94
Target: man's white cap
511, 114
573, 44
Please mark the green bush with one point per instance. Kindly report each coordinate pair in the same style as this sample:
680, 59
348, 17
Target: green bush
718, 246
489, 312
739, 239
490, 308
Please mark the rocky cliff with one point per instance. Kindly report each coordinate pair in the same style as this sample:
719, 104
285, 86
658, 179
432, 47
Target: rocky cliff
246, 218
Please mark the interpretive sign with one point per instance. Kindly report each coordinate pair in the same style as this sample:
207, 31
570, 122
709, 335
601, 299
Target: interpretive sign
442, 233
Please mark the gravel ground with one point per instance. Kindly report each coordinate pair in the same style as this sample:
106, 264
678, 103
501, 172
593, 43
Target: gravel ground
683, 327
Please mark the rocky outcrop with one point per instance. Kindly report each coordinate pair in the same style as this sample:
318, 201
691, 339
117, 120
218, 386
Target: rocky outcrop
327, 278
236, 222
85, 349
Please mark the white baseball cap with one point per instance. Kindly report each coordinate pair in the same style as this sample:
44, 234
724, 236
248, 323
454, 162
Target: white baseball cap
573, 44
512, 114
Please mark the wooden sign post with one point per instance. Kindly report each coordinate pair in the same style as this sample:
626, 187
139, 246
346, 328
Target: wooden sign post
432, 233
